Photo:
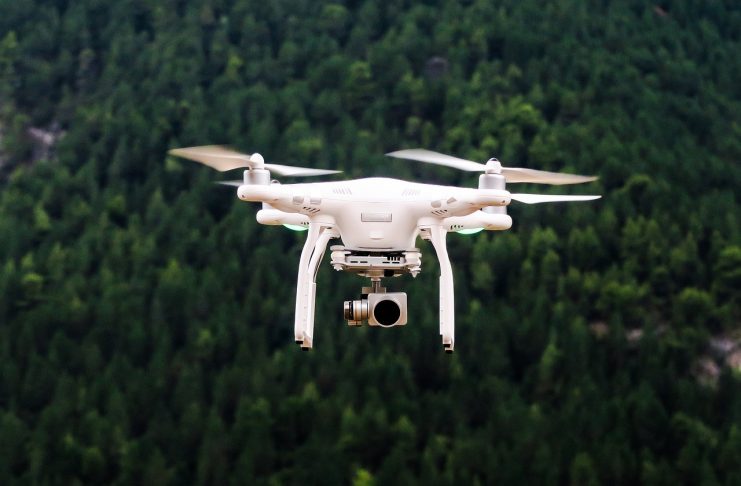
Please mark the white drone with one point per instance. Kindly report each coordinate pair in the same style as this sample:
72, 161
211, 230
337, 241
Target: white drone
378, 221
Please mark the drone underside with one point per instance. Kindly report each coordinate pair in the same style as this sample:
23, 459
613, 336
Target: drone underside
378, 221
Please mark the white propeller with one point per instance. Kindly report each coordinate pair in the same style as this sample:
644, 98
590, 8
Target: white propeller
511, 174
541, 198
223, 159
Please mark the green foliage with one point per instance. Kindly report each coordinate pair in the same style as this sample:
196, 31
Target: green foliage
145, 317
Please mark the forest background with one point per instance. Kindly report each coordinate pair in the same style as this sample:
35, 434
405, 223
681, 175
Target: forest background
146, 318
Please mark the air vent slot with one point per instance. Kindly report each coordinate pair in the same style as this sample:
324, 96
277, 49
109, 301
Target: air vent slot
376, 217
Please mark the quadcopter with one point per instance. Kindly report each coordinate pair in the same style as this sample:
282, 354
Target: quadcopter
378, 221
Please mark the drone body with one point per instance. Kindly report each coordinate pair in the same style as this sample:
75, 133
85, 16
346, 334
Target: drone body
376, 214
378, 221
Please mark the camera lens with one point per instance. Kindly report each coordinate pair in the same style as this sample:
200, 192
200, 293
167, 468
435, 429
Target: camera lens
387, 312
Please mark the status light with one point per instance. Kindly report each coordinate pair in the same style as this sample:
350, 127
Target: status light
297, 227
471, 231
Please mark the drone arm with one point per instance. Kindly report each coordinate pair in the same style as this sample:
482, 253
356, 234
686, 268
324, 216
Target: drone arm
478, 219
467, 201
272, 216
276, 196
447, 300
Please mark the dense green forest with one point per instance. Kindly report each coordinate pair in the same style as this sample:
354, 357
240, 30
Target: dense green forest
146, 319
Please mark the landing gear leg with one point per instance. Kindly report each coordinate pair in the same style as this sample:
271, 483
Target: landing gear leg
447, 301
311, 256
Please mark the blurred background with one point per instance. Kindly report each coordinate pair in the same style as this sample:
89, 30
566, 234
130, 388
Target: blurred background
146, 319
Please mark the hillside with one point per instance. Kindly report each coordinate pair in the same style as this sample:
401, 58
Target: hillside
146, 319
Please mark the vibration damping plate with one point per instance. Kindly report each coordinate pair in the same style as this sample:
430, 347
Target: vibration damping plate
371, 263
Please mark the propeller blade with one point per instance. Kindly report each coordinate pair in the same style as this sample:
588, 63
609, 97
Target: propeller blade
236, 183
431, 157
287, 170
541, 198
511, 174
214, 156
515, 174
223, 158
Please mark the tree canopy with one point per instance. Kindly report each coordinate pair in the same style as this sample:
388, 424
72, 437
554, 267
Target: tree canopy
146, 318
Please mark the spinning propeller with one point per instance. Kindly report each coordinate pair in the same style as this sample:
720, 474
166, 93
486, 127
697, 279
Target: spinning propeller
223, 159
493, 166
494, 169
